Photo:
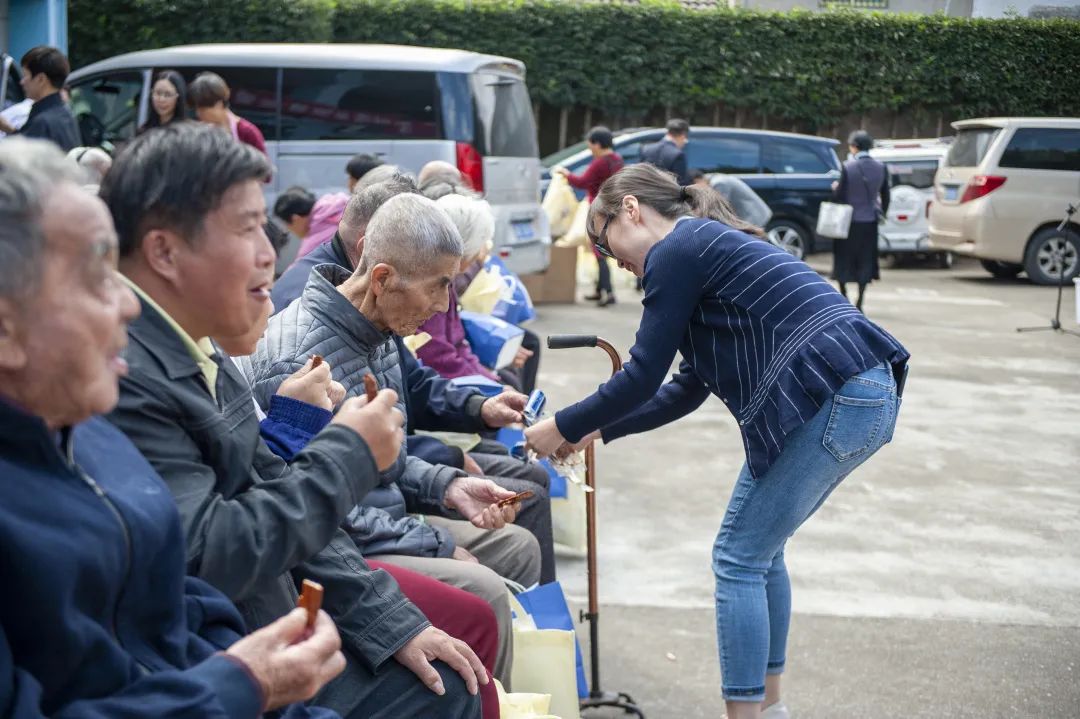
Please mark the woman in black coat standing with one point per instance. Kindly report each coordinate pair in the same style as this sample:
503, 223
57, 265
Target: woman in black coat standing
864, 184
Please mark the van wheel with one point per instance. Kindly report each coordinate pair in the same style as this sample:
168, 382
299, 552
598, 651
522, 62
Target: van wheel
1001, 270
1048, 252
944, 260
789, 237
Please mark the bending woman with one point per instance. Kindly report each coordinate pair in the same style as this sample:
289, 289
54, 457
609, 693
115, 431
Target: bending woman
812, 383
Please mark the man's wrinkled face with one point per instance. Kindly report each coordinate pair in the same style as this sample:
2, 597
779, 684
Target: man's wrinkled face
408, 302
74, 328
226, 273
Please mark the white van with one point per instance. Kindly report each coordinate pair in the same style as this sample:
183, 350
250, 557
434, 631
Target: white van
317, 105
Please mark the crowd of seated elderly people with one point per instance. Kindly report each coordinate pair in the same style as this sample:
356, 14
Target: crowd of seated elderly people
186, 441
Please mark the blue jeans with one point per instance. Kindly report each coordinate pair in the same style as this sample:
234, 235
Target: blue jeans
753, 594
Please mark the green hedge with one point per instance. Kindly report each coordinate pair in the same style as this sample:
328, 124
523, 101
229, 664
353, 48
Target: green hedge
811, 68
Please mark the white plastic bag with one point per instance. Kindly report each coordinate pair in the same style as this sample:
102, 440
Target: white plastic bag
834, 220
560, 204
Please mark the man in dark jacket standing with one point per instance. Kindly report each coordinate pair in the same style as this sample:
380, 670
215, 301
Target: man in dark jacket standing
188, 207
98, 619
668, 154
44, 72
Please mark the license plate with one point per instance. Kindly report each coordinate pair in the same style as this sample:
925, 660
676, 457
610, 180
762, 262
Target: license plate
523, 230
952, 192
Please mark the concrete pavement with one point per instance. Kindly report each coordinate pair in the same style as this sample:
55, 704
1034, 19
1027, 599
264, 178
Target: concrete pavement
941, 579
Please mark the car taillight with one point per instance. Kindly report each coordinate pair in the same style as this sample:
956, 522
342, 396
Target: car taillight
471, 165
981, 186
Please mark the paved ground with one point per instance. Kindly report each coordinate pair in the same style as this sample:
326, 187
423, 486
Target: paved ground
942, 579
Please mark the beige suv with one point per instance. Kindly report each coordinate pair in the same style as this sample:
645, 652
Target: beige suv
1002, 191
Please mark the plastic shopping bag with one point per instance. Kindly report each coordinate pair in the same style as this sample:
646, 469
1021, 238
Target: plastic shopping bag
515, 306
494, 341
484, 292
560, 204
546, 661
520, 705
834, 220
548, 609
576, 236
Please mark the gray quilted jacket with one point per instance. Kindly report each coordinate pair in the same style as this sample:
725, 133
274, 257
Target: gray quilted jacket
324, 322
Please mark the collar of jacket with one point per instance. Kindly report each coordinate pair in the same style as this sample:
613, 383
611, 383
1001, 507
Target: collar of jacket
340, 255
151, 330
323, 300
45, 103
26, 437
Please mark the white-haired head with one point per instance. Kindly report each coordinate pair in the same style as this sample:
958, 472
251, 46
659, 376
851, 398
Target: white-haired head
411, 234
474, 220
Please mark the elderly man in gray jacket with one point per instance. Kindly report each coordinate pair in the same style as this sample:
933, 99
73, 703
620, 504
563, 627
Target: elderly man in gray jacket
412, 252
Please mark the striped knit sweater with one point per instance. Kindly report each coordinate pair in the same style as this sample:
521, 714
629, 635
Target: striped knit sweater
756, 327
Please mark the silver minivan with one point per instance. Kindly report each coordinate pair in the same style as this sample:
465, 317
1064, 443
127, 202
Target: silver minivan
317, 105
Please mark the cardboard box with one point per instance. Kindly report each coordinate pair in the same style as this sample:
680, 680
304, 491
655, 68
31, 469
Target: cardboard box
558, 283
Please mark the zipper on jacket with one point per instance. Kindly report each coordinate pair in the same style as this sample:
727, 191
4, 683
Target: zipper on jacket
89, 481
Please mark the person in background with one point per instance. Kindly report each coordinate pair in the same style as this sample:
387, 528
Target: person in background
92, 161
209, 95
168, 100
99, 619
292, 216
323, 222
44, 71
863, 184
359, 166
382, 173
439, 178
669, 154
448, 351
605, 163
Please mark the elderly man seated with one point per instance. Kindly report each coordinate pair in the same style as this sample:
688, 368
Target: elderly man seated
97, 618
411, 253
188, 207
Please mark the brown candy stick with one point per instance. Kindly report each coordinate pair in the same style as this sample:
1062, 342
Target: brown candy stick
371, 387
519, 497
316, 360
311, 596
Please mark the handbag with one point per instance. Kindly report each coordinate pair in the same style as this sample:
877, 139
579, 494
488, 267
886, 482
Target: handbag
495, 342
547, 656
834, 220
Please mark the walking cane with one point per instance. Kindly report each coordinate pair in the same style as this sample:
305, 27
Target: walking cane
597, 697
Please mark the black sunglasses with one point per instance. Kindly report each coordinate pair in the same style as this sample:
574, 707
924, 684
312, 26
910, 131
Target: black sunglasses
601, 240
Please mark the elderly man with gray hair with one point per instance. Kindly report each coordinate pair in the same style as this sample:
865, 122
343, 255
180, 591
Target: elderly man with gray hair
412, 252
98, 617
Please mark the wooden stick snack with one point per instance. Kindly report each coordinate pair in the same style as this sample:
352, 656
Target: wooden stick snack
519, 497
371, 387
316, 360
311, 595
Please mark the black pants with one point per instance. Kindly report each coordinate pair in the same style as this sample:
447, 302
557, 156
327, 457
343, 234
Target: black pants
603, 279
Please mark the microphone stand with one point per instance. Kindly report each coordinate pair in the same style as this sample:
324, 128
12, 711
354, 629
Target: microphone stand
1059, 263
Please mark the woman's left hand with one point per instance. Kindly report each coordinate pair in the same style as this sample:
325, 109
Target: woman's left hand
544, 437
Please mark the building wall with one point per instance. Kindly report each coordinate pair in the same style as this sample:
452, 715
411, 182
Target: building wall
998, 8
33, 22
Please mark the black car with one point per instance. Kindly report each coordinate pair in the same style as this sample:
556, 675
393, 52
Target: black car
792, 173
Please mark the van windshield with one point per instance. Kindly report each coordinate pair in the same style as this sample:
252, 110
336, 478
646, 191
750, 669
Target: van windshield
970, 146
505, 125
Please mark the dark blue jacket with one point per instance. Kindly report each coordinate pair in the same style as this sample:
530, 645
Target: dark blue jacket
50, 119
97, 619
291, 284
668, 156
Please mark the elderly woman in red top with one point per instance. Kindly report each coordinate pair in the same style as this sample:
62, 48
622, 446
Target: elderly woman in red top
606, 162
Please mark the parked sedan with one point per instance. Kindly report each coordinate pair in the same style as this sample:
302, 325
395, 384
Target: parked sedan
792, 173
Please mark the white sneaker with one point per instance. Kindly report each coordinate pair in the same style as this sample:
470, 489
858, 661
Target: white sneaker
776, 711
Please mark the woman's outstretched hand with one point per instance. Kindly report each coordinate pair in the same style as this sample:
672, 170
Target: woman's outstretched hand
544, 438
